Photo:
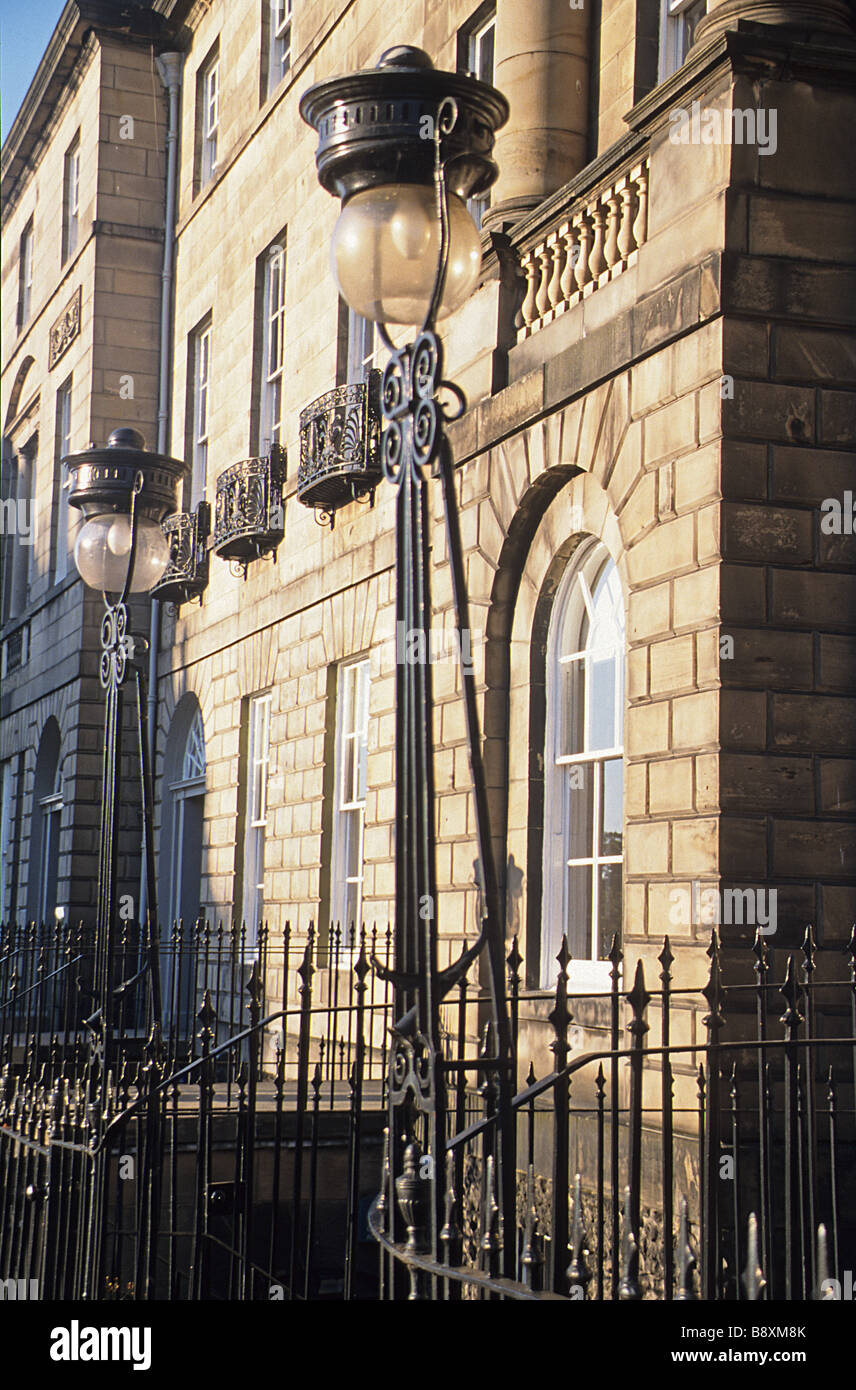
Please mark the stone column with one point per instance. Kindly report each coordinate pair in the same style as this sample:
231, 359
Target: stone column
808, 15
542, 68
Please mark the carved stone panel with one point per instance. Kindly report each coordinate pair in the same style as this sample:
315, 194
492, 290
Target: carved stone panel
66, 328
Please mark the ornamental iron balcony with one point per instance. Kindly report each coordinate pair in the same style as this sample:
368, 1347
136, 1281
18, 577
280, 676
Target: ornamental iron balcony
249, 516
340, 447
186, 575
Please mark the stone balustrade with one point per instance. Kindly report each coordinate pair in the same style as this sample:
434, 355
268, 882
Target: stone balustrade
589, 246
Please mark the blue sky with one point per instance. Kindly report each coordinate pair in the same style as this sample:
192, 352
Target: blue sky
25, 28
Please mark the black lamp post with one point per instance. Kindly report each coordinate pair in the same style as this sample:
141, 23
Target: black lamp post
403, 145
124, 493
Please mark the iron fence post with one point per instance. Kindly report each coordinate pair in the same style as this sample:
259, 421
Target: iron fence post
306, 972
713, 1022
792, 1019
561, 1019
666, 960
198, 1275
615, 959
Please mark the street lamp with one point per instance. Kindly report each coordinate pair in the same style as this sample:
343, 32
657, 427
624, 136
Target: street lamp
124, 493
403, 146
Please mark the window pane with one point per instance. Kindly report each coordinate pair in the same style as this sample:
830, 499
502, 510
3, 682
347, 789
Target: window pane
578, 912
609, 907
580, 809
573, 709
486, 47
351, 909
349, 763
353, 864
362, 700
360, 782
602, 703
612, 808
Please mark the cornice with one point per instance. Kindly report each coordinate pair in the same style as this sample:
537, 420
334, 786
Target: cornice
135, 20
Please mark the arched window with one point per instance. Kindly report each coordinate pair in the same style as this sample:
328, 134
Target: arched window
44, 835
583, 765
182, 831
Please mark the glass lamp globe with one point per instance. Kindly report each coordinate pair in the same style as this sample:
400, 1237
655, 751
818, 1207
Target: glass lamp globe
102, 548
385, 249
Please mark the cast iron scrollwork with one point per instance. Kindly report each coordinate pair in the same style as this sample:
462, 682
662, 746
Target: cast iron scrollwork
117, 645
339, 447
186, 575
248, 513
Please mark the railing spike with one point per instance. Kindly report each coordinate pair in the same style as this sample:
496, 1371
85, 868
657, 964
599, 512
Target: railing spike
789, 991
753, 1278
532, 1254
686, 1259
629, 1289
450, 1232
666, 958
825, 1289
579, 1273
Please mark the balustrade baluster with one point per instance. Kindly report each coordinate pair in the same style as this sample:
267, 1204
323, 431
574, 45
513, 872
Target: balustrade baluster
554, 289
640, 226
542, 298
568, 283
582, 274
597, 261
527, 309
613, 218
626, 241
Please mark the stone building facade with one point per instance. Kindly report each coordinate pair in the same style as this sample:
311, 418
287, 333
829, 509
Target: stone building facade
82, 191
659, 368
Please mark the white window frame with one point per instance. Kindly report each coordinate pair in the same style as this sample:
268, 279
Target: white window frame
478, 206
274, 348
50, 815
6, 778
190, 784
279, 45
63, 447
201, 363
71, 199
255, 821
19, 562
674, 34
349, 812
25, 274
582, 576
210, 123
363, 346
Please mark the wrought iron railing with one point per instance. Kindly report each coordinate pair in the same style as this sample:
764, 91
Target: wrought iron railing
730, 1189
287, 1051
249, 516
713, 1168
186, 575
340, 447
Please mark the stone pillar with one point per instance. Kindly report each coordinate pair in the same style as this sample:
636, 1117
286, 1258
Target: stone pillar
808, 15
542, 68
